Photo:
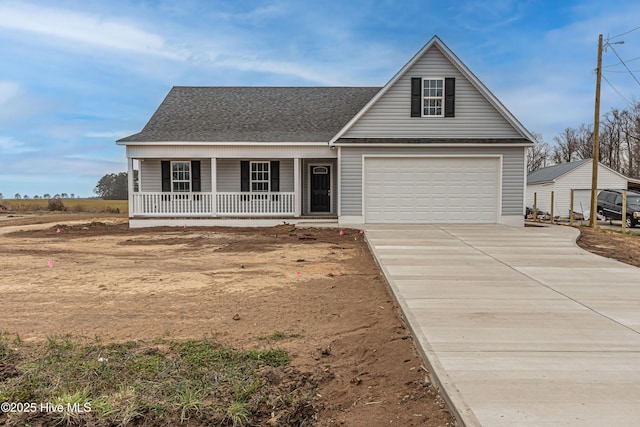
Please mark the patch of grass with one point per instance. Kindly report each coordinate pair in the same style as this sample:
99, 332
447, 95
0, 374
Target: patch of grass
273, 357
238, 414
137, 382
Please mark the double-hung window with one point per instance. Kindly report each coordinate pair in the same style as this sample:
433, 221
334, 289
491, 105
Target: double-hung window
432, 97
260, 176
181, 176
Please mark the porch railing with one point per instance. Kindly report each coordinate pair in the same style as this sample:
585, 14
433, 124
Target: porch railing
201, 204
255, 204
176, 204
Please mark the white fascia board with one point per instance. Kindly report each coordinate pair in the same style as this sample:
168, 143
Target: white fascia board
430, 144
241, 143
435, 40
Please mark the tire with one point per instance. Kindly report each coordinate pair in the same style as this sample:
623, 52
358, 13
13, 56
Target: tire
630, 223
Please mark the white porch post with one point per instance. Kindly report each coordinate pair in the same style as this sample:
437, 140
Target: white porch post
296, 186
214, 184
130, 186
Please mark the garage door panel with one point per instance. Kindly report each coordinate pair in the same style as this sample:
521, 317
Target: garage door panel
431, 190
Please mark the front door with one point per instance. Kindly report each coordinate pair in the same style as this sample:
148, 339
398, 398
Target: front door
320, 188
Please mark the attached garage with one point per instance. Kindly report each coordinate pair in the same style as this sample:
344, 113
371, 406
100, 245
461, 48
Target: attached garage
423, 190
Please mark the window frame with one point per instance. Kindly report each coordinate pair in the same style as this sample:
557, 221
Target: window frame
424, 98
183, 180
264, 173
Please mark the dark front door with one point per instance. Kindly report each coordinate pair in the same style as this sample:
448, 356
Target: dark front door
320, 189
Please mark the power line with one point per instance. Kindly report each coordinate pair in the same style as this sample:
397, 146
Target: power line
620, 63
625, 65
620, 35
617, 91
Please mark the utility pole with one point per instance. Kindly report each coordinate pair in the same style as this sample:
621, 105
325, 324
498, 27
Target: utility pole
596, 147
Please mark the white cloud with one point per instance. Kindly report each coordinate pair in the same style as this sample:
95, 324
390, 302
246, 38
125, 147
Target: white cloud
9, 90
110, 134
84, 28
9, 145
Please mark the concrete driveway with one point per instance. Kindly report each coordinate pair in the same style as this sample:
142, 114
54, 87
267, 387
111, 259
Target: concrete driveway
520, 326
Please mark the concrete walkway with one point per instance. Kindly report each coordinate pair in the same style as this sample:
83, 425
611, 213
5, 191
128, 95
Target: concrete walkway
520, 327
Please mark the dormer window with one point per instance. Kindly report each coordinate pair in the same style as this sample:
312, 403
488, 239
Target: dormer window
433, 97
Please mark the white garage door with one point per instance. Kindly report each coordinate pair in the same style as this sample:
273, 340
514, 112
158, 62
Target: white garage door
424, 190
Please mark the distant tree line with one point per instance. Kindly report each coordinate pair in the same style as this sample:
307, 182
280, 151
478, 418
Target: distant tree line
619, 144
45, 196
113, 186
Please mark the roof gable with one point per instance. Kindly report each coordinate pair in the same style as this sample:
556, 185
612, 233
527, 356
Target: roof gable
253, 114
397, 90
555, 172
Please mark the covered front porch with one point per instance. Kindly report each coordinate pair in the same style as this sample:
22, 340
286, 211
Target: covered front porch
232, 188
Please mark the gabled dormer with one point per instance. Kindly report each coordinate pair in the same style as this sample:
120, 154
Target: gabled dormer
434, 97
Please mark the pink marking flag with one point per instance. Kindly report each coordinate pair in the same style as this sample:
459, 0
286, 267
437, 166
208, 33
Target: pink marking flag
50, 263
341, 232
361, 231
58, 231
297, 273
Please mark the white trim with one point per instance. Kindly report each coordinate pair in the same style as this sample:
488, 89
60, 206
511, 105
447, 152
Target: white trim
221, 222
331, 192
297, 186
189, 181
214, 185
339, 175
130, 185
435, 41
471, 156
424, 98
436, 144
262, 172
315, 143
524, 184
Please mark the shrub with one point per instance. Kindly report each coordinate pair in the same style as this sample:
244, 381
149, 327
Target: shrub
56, 205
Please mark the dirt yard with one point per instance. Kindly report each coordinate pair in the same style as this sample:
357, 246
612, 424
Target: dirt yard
320, 292
610, 244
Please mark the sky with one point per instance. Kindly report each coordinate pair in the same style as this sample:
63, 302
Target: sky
76, 75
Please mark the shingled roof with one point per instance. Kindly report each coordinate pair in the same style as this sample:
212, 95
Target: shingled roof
552, 172
253, 114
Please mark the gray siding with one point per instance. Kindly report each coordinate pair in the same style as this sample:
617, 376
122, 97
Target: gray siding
150, 175
512, 172
475, 117
228, 176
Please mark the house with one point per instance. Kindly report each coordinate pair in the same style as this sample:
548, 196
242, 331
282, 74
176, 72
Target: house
563, 178
433, 145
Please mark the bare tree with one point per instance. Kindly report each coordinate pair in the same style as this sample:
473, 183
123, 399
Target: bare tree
566, 147
539, 155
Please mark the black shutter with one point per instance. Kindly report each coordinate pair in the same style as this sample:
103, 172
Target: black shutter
195, 176
449, 97
275, 175
244, 175
166, 176
416, 96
